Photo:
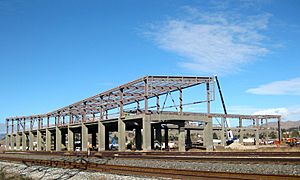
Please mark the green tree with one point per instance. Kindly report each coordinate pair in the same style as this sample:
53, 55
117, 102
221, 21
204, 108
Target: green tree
295, 133
273, 135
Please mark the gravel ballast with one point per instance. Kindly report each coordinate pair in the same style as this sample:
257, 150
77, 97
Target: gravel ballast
252, 168
49, 173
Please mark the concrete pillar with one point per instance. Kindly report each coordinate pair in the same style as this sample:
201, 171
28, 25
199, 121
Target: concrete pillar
7, 142
18, 141
24, 141
138, 138
208, 135
12, 143
31, 138
101, 136
181, 139
39, 140
84, 137
48, 140
57, 139
256, 137
146, 133
241, 140
70, 139
121, 134
166, 137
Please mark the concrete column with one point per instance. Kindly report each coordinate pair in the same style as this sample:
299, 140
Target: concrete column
31, 137
208, 135
241, 140
24, 141
146, 133
7, 142
39, 140
181, 139
84, 137
101, 136
48, 140
138, 138
70, 139
18, 141
12, 143
256, 137
121, 134
57, 139
166, 137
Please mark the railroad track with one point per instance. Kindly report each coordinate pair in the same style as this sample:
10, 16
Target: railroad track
152, 172
228, 157
168, 153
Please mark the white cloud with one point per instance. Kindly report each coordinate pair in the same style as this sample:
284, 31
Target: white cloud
291, 113
288, 87
287, 113
284, 112
212, 42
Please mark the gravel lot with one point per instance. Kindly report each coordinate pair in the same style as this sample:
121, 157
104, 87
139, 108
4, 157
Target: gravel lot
202, 166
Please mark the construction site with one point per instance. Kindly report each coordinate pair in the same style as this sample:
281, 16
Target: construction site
147, 128
138, 110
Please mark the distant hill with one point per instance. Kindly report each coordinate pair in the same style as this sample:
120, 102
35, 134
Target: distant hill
285, 124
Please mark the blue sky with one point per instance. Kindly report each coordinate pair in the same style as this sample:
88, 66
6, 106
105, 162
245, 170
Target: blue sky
53, 53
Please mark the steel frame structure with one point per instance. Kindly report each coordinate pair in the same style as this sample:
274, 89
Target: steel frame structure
137, 91
95, 108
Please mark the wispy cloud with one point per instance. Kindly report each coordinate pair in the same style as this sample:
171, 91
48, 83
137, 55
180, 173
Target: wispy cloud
284, 112
288, 113
287, 87
219, 42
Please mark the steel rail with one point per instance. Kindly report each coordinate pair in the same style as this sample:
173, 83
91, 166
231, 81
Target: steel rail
149, 171
292, 158
166, 153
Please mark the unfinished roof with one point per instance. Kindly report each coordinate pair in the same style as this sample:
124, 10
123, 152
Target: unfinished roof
134, 91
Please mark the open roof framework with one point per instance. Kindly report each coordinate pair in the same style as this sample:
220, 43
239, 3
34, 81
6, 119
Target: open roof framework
140, 90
